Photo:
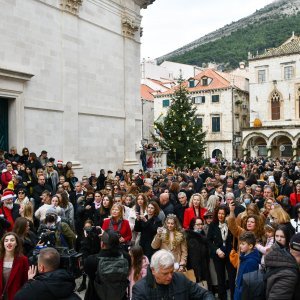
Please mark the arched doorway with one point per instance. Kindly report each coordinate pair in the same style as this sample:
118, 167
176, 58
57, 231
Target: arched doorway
282, 147
216, 153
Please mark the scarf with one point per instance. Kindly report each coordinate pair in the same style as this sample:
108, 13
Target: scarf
224, 231
97, 205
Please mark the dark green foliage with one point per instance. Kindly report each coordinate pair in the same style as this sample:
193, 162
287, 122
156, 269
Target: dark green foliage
179, 132
230, 50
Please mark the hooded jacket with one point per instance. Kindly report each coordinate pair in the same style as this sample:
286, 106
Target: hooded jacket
248, 263
281, 284
58, 284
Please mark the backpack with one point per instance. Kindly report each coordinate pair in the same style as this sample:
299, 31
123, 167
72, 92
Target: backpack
255, 283
111, 280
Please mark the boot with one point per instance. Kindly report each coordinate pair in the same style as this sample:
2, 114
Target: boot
82, 286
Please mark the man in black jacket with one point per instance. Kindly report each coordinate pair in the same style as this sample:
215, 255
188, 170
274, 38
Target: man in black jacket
38, 190
161, 282
51, 282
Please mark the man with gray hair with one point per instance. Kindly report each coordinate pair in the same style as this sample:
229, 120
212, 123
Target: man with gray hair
181, 206
161, 282
238, 207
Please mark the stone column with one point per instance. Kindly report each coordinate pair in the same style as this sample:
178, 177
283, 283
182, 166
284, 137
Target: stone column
70, 83
131, 91
269, 149
245, 153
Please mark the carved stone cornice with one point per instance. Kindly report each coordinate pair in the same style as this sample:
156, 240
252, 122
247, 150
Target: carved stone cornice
129, 27
143, 3
71, 6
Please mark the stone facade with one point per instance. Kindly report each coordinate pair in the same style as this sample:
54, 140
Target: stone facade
222, 109
69, 70
274, 103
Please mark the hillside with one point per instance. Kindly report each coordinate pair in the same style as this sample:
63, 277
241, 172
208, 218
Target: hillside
266, 28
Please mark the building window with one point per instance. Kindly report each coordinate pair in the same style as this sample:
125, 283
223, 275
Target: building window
204, 81
275, 106
191, 83
166, 103
198, 100
215, 98
288, 72
215, 124
199, 121
261, 76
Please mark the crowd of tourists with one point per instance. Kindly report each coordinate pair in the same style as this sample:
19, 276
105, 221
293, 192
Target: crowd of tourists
180, 234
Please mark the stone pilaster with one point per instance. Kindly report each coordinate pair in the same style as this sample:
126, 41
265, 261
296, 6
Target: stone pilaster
129, 27
71, 6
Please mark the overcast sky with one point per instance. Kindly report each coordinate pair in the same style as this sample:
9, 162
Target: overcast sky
170, 24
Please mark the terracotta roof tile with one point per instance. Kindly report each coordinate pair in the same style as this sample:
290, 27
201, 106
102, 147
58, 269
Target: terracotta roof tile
146, 92
291, 46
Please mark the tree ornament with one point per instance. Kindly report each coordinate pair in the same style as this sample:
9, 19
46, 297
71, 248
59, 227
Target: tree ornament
187, 138
189, 150
183, 127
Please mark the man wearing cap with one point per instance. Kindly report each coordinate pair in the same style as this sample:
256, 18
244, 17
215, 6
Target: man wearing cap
110, 247
8, 209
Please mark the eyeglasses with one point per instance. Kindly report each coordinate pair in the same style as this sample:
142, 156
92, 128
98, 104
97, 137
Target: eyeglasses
199, 224
21, 192
208, 217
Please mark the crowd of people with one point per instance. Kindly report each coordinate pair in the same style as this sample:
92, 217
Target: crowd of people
220, 221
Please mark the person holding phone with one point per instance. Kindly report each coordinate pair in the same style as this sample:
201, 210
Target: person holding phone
138, 211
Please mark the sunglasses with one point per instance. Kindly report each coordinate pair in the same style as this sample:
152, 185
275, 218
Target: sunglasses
21, 192
295, 246
208, 217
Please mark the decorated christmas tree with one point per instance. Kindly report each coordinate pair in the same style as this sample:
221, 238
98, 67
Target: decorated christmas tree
179, 133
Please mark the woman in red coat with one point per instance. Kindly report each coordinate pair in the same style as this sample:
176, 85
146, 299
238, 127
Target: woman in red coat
7, 175
196, 209
13, 266
295, 197
117, 223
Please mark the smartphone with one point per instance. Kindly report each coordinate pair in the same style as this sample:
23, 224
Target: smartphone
138, 209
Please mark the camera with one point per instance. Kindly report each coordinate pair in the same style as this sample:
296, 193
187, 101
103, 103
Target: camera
70, 260
93, 230
47, 237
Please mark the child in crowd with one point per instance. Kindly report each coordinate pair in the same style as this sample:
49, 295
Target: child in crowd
249, 260
269, 233
139, 264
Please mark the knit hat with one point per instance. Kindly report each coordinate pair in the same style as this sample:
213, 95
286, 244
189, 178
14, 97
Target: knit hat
59, 162
51, 211
7, 195
295, 242
271, 179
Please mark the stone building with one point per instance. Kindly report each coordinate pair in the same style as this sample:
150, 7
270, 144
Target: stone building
274, 102
222, 103
69, 79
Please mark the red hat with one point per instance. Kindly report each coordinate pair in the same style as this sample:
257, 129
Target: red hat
59, 162
7, 195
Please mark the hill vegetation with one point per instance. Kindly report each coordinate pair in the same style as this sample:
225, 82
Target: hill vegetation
266, 32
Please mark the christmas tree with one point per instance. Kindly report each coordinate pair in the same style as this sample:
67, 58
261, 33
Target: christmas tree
179, 133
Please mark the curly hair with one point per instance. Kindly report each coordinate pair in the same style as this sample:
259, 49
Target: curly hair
259, 230
192, 199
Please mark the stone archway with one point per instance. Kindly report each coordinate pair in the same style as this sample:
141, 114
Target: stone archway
255, 144
281, 146
217, 153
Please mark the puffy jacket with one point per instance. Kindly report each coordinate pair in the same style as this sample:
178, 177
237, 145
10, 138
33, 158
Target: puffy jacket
179, 289
281, 284
58, 284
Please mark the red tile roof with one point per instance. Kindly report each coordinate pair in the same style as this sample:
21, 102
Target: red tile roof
218, 82
146, 92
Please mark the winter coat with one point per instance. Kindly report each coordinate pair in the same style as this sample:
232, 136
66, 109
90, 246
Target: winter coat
189, 214
58, 284
248, 263
198, 255
178, 246
180, 288
18, 276
148, 230
90, 269
281, 284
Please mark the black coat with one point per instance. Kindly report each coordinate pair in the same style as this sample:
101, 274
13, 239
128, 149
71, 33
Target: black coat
37, 192
180, 288
215, 240
198, 255
58, 284
148, 230
179, 211
90, 268
197, 185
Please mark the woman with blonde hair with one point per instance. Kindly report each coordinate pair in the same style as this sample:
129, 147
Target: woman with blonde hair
171, 237
212, 203
279, 216
196, 209
26, 211
117, 223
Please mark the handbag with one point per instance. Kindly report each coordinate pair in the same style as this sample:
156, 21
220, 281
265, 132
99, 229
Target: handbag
190, 274
234, 256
